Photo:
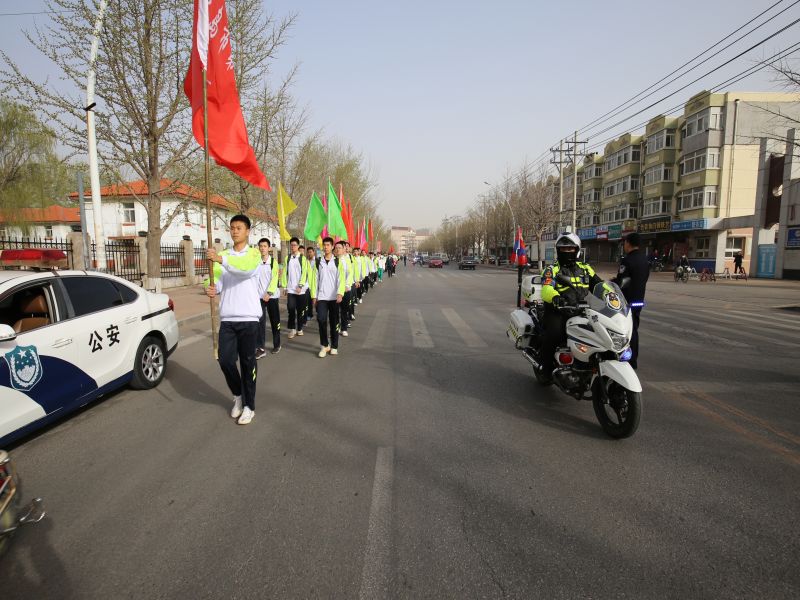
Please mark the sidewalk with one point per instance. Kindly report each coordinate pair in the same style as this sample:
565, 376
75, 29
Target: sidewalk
191, 303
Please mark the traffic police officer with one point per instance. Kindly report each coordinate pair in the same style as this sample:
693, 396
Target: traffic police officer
632, 280
556, 293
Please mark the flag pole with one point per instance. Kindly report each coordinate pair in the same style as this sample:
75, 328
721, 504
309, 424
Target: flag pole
209, 235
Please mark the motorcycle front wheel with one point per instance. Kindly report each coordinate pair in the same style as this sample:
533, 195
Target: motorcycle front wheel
617, 409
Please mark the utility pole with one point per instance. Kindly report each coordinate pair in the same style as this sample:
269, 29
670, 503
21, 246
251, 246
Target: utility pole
574, 150
574, 181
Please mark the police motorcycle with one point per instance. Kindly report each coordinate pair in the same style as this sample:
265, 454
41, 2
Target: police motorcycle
593, 366
12, 514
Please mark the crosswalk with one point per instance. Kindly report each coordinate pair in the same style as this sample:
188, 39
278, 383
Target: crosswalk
480, 326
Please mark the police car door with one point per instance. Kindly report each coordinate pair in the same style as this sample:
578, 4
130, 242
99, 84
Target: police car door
39, 374
105, 327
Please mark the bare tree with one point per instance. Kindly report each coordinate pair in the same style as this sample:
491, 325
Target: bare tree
539, 206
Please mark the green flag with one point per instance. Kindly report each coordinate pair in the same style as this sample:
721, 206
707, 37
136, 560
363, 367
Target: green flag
335, 222
315, 219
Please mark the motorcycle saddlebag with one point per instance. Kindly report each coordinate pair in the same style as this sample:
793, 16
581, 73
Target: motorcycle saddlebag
521, 325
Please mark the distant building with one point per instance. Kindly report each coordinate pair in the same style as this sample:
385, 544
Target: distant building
50, 223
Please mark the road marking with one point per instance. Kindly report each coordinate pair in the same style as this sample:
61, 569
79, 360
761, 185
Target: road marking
489, 316
419, 275
674, 340
377, 331
731, 329
763, 321
445, 275
419, 333
471, 339
681, 395
695, 334
375, 575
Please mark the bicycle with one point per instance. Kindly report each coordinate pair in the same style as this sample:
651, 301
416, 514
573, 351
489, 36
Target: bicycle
682, 274
707, 275
742, 274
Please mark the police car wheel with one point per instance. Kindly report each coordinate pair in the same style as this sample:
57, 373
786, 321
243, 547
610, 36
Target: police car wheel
150, 364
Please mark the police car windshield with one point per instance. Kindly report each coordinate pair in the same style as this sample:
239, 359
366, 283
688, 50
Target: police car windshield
607, 296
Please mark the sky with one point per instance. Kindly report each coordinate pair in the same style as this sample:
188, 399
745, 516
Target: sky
440, 96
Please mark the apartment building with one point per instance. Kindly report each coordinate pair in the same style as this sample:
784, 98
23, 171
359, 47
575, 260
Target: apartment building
690, 184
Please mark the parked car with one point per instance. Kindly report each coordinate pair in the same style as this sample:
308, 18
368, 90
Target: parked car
68, 337
435, 263
467, 262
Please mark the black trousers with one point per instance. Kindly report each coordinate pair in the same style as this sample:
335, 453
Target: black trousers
237, 341
555, 335
308, 313
365, 284
360, 290
272, 310
353, 300
295, 306
344, 310
635, 338
328, 314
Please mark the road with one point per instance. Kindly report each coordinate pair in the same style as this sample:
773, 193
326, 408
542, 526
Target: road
425, 462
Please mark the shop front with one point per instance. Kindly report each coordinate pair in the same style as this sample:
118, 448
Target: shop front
589, 243
657, 238
699, 240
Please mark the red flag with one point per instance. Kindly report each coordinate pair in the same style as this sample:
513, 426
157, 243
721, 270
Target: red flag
227, 134
371, 234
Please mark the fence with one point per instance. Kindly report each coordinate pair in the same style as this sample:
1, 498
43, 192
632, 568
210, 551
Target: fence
173, 263
56, 244
122, 260
200, 262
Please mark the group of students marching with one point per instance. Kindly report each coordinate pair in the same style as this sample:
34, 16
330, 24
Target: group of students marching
249, 282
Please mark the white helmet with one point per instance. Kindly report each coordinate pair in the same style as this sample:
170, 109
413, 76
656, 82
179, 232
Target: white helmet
568, 248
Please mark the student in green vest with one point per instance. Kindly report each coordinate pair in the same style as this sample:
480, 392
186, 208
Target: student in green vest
295, 281
327, 295
270, 307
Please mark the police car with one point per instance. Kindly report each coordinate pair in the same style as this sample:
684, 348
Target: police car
68, 337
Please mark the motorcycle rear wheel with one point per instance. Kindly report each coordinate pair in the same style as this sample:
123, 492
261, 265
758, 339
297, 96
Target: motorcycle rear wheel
618, 410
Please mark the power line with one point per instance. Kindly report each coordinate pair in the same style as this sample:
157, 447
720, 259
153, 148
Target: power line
607, 116
42, 12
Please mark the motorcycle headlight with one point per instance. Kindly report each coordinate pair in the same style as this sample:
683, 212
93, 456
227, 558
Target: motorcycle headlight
620, 341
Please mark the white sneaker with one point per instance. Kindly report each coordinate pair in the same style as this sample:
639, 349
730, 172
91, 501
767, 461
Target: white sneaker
236, 411
292, 333
334, 352
300, 332
361, 301
247, 416
345, 334
323, 351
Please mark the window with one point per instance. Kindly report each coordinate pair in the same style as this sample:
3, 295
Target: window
128, 212
656, 206
620, 186
657, 174
27, 309
48, 231
128, 295
91, 294
708, 158
622, 157
591, 196
702, 247
3, 232
733, 246
698, 198
710, 118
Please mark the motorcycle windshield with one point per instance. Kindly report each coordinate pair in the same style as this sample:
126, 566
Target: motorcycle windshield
608, 299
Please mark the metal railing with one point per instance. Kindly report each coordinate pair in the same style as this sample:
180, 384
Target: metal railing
200, 262
122, 260
173, 263
54, 244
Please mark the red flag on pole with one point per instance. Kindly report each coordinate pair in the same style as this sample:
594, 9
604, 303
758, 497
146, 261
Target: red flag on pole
227, 134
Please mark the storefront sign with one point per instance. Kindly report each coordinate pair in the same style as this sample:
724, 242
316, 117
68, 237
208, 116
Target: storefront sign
601, 233
587, 233
793, 237
615, 231
655, 225
690, 225
629, 225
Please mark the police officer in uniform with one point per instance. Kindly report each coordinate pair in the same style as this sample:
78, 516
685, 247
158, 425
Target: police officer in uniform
632, 280
556, 293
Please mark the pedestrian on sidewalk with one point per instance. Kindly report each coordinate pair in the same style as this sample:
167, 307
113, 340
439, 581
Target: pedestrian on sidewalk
295, 282
237, 282
270, 306
634, 271
737, 263
328, 294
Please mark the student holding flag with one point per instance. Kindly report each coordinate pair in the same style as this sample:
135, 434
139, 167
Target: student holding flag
295, 282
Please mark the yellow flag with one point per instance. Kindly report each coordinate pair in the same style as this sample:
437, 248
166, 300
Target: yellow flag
285, 207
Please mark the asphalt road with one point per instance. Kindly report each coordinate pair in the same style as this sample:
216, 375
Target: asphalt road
425, 462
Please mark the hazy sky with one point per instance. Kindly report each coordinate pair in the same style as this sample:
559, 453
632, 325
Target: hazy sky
441, 95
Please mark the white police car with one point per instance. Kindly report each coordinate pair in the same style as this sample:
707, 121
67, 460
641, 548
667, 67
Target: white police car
67, 337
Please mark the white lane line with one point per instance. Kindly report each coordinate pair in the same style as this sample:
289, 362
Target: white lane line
377, 331
673, 324
375, 575
419, 275
765, 320
493, 318
419, 333
471, 339
731, 329
445, 275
